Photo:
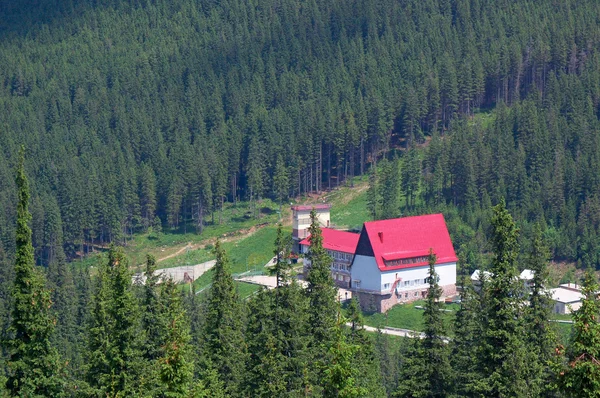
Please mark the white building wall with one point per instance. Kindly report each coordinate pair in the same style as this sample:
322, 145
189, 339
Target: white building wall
301, 221
413, 278
365, 270
371, 278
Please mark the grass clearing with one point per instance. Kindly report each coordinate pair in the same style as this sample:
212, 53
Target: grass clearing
406, 316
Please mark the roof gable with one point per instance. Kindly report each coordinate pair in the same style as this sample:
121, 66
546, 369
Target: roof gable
406, 241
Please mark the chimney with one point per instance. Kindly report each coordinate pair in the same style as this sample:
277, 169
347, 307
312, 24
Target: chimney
380, 234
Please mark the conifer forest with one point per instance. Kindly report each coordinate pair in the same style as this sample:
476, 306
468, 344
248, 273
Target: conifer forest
125, 117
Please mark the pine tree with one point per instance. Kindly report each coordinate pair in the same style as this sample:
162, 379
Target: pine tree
33, 366
541, 337
281, 181
321, 289
373, 199
465, 342
115, 365
224, 330
175, 361
502, 356
434, 348
340, 371
581, 376
152, 323
426, 369
365, 359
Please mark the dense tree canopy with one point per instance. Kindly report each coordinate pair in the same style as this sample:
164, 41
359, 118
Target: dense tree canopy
137, 109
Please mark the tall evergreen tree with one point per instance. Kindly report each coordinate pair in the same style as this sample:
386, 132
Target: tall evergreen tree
502, 356
465, 342
426, 372
176, 366
541, 338
321, 289
581, 375
365, 359
224, 328
115, 365
34, 365
434, 347
340, 371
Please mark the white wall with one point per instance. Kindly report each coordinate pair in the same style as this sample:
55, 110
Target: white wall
364, 268
417, 276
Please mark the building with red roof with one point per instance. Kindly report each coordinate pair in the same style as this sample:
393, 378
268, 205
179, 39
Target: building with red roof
390, 264
387, 263
341, 246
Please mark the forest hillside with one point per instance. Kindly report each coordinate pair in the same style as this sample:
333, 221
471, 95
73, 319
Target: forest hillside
143, 113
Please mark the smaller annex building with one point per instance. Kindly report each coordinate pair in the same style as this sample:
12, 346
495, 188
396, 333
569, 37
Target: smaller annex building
567, 298
340, 245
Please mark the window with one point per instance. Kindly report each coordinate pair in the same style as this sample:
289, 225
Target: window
425, 281
406, 283
416, 294
405, 295
386, 286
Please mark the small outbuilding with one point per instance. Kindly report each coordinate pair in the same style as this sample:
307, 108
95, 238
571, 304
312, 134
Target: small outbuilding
567, 298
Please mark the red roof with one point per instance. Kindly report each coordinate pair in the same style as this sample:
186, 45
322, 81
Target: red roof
404, 238
340, 241
322, 206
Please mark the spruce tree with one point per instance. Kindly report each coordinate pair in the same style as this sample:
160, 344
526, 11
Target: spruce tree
34, 366
176, 366
224, 328
321, 289
365, 359
426, 369
434, 348
340, 373
152, 322
581, 375
541, 338
465, 342
502, 356
115, 365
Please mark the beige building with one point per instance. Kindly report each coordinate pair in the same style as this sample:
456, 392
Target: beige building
301, 221
567, 298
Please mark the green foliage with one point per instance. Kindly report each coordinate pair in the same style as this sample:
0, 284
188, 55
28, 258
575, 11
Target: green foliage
224, 328
175, 361
340, 370
34, 367
581, 375
321, 290
114, 364
502, 354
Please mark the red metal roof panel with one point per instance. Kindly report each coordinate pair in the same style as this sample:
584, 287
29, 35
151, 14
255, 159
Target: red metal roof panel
340, 241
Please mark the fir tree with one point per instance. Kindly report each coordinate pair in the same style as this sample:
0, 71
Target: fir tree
465, 342
224, 330
541, 337
365, 359
434, 347
340, 371
373, 196
581, 376
176, 367
502, 356
321, 289
152, 322
33, 364
115, 344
